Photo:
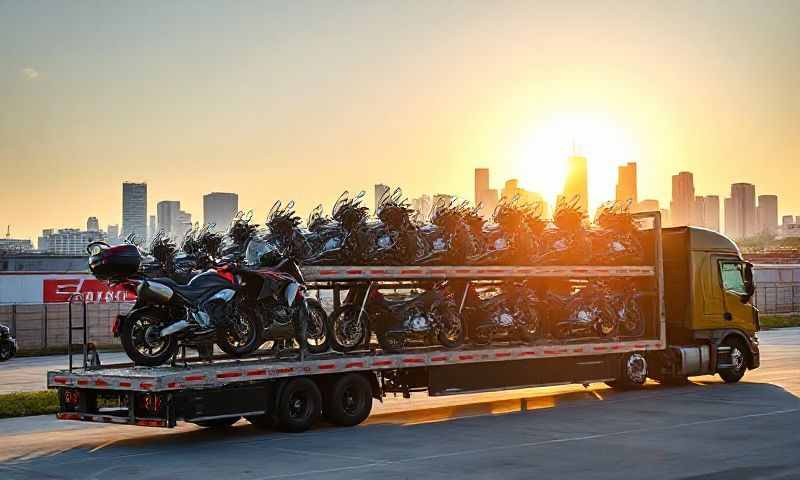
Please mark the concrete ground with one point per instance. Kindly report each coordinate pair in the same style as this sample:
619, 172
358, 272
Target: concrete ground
705, 430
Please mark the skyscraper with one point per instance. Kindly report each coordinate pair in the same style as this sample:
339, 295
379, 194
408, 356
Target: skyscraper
577, 182
219, 209
92, 225
626, 184
484, 196
646, 205
767, 214
381, 191
422, 205
167, 211
134, 210
740, 211
698, 212
151, 229
711, 212
682, 203
113, 233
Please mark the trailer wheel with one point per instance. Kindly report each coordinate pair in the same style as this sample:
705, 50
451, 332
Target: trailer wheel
298, 406
218, 422
348, 401
738, 361
633, 372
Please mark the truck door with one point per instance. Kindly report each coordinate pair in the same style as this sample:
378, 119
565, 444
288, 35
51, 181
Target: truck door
735, 294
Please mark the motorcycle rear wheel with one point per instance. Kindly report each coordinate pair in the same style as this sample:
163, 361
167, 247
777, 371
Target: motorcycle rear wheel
141, 343
318, 337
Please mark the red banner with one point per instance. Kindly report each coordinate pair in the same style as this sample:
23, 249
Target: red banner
93, 291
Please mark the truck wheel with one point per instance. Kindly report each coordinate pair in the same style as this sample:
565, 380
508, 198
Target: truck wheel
298, 406
633, 372
738, 361
348, 401
218, 422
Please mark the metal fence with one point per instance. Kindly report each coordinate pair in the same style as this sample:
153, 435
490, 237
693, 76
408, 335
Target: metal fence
778, 298
44, 325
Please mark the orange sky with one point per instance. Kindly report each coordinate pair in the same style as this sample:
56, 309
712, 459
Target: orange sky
304, 100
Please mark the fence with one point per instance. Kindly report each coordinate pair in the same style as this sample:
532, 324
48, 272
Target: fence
44, 325
778, 298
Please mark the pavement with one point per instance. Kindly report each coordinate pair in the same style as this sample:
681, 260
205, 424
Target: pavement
707, 429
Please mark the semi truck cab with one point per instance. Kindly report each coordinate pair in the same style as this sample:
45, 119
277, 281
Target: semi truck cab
710, 320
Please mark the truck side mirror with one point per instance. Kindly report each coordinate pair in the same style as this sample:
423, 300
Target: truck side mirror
749, 284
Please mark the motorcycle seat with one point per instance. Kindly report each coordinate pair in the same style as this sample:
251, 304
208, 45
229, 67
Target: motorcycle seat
199, 287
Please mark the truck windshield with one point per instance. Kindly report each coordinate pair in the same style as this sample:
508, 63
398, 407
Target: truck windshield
732, 277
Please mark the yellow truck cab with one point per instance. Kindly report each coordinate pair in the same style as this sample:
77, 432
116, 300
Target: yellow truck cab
710, 323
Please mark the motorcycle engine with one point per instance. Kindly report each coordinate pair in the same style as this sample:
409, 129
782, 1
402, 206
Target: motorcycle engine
281, 314
418, 321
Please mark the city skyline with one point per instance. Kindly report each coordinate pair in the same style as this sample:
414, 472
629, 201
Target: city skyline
417, 108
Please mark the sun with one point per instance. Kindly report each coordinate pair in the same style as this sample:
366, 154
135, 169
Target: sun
544, 147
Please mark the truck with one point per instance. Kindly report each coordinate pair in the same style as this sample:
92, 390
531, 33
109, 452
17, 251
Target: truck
696, 291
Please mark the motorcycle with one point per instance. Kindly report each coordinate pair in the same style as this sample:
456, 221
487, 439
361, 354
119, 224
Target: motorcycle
167, 314
508, 240
8, 345
393, 240
428, 317
569, 243
351, 244
450, 237
616, 240
587, 313
626, 303
277, 295
511, 313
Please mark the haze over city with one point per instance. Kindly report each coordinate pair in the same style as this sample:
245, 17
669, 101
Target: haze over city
201, 98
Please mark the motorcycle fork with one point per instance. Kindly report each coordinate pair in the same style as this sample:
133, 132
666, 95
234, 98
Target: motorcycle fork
362, 310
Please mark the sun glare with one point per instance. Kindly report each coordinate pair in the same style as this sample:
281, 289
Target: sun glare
543, 151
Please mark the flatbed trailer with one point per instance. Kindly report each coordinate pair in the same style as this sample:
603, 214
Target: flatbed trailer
290, 393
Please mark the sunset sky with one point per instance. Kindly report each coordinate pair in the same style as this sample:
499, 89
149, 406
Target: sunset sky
300, 100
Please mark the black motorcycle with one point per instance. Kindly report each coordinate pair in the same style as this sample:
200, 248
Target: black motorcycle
587, 313
8, 345
352, 241
569, 243
510, 313
425, 318
167, 314
450, 237
616, 240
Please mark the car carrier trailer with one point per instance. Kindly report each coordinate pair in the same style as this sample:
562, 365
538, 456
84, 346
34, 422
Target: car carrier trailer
291, 394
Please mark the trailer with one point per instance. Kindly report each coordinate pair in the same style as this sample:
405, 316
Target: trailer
291, 394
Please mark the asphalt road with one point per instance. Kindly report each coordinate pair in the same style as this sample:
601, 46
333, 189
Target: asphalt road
704, 430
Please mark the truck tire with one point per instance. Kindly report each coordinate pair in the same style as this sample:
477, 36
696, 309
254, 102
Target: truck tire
217, 422
348, 400
738, 359
633, 372
298, 406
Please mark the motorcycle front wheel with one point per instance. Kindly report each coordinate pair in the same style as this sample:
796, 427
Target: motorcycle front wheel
347, 331
317, 337
242, 336
141, 340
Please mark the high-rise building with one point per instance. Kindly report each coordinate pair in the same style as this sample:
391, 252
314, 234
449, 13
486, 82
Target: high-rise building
182, 224
134, 210
646, 205
696, 215
626, 184
485, 197
112, 234
67, 241
740, 211
682, 204
577, 182
711, 212
787, 220
219, 209
422, 205
767, 214
15, 245
167, 211
92, 225
151, 228
381, 191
